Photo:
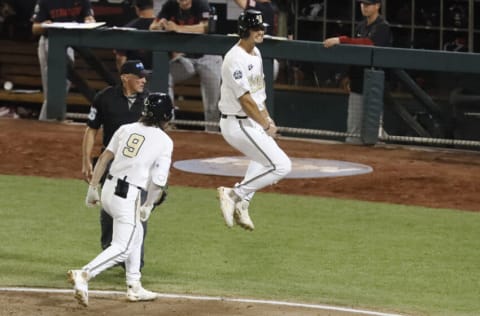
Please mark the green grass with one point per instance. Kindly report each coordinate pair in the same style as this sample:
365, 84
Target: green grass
368, 255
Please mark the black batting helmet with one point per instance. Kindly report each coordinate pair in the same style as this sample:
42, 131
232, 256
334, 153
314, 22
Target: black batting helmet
158, 107
250, 19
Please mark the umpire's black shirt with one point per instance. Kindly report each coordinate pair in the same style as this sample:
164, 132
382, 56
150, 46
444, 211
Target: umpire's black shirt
111, 109
380, 34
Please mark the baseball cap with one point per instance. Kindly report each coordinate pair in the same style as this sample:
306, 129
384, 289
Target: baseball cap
370, 1
134, 67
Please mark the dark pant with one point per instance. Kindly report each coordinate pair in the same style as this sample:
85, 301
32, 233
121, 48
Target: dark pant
106, 224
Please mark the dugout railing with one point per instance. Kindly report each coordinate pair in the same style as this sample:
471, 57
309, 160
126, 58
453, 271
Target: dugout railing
161, 43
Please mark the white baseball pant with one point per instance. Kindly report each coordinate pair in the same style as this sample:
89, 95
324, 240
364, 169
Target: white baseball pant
268, 164
127, 233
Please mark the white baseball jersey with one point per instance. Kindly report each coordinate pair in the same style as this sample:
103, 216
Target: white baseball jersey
241, 73
141, 151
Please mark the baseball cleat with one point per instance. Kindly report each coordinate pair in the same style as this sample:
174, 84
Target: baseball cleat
80, 285
241, 215
227, 204
135, 293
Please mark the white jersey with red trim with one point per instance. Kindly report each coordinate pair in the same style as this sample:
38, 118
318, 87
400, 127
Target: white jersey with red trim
241, 73
140, 151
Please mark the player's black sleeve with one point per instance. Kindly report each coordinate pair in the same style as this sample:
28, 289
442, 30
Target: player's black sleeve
40, 12
167, 11
86, 9
95, 117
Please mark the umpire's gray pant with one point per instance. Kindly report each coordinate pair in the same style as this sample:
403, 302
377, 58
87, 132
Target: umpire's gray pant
43, 60
209, 68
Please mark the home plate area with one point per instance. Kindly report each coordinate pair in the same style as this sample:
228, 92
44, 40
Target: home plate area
301, 167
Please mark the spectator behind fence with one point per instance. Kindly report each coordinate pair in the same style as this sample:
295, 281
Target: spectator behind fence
191, 16
267, 10
145, 17
49, 11
373, 30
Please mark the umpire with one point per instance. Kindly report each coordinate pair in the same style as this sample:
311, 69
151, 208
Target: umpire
111, 108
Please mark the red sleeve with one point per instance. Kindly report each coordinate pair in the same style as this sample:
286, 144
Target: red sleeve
356, 41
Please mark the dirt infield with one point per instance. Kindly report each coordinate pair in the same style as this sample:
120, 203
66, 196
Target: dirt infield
439, 179
433, 178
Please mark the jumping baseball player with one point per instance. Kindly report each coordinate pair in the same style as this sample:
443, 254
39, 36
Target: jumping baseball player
245, 122
141, 154
49, 11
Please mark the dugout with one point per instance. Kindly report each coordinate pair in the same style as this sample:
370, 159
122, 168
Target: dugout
313, 108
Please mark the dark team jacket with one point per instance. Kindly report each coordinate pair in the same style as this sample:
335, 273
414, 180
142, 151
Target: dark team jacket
379, 34
197, 13
143, 55
268, 14
110, 110
62, 10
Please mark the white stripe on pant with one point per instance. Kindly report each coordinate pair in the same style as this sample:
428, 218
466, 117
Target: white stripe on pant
269, 163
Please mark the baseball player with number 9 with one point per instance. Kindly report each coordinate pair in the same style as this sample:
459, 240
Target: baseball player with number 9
245, 122
141, 154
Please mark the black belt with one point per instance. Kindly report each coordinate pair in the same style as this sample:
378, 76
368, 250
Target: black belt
236, 116
110, 177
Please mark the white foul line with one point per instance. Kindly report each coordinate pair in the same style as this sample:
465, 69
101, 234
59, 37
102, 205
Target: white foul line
212, 298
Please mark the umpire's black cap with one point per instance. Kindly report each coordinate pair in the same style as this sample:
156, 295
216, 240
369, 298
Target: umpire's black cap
134, 67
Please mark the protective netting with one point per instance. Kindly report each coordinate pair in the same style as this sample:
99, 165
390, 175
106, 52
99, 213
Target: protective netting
328, 134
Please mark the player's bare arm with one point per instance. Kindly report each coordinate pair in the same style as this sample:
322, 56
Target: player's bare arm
87, 148
250, 108
93, 196
100, 167
38, 29
267, 116
158, 24
155, 196
89, 19
330, 42
199, 28
261, 117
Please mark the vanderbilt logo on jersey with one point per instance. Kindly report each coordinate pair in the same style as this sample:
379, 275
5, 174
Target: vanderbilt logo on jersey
237, 75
